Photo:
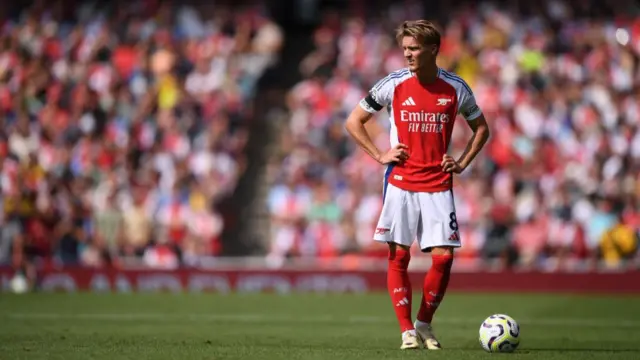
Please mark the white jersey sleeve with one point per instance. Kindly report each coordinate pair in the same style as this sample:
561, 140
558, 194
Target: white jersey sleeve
467, 105
381, 94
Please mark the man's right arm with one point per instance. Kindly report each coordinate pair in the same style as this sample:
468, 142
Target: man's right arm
362, 113
355, 128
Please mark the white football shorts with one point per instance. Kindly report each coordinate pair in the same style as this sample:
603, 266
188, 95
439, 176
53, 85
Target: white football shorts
428, 217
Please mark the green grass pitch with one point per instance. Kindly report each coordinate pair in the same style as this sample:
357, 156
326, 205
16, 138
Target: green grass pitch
304, 326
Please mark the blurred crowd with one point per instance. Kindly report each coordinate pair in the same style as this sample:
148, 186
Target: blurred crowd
123, 125
559, 181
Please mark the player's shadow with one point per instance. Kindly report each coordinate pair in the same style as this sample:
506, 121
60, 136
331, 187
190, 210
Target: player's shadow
537, 350
526, 350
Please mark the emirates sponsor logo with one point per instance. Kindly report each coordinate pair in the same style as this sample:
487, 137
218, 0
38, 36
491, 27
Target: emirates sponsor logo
424, 117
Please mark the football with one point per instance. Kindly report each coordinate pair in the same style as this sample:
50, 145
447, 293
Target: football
19, 284
499, 333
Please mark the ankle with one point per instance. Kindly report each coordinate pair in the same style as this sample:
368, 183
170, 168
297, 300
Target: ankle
409, 333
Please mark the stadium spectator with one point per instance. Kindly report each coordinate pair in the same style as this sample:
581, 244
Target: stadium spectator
559, 86
618, 243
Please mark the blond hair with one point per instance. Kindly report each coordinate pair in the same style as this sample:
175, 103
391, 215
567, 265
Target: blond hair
425, 32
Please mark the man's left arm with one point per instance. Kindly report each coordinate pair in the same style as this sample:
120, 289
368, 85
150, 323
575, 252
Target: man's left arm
478, 124
480, 136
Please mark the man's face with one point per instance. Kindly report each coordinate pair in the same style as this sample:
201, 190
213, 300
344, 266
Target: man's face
417, 55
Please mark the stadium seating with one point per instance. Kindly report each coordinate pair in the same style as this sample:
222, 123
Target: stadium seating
123, 127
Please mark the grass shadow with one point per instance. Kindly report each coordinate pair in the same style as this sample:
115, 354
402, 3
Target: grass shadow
524, 350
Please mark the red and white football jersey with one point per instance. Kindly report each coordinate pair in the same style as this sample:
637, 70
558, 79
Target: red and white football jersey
422, 117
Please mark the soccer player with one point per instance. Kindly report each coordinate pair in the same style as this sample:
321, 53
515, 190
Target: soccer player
422, 101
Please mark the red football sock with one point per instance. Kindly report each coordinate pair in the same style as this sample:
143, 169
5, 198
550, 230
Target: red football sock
435, 285
399, 286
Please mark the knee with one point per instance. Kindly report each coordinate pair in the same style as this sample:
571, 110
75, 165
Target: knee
399, 256
442, 260
442, 251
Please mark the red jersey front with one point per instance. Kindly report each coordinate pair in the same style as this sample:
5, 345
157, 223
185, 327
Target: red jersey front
421, 117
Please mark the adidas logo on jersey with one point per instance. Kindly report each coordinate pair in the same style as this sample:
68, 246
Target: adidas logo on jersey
409, 102
454, 237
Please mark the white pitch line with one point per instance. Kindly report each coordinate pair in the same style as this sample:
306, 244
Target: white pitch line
262, 318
